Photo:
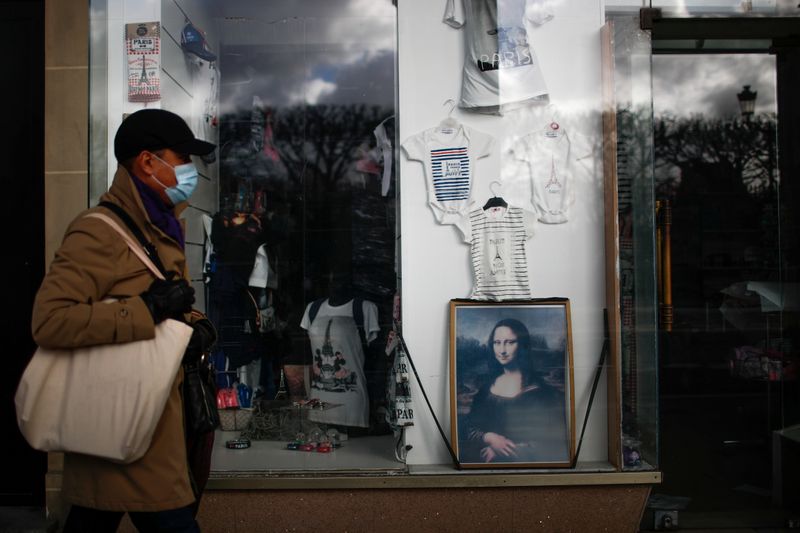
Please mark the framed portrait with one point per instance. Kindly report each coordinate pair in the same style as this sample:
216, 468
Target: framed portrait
511, 390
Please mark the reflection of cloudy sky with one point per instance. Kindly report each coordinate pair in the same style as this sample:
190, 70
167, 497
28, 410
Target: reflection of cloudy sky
476, 322
308, 51
690, 84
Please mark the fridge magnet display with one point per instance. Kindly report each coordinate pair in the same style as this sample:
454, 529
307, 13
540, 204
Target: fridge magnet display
511, 389
143, 44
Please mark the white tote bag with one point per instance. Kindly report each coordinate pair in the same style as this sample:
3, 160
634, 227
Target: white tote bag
101, 400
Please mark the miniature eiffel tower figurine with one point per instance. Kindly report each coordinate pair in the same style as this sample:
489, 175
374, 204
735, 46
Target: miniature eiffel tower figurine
282, 393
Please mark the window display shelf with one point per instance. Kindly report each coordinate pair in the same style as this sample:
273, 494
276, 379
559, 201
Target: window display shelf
363, 455
437, 476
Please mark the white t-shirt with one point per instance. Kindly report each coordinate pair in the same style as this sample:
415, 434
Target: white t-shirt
205, 88
259, 276
448, 155
337, 372
497, 237
551, 157
500, 66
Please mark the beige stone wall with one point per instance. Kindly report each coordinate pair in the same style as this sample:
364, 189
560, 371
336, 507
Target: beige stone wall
66, 133
66, 146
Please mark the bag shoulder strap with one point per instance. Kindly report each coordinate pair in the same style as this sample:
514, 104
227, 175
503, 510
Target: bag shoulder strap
134, 228
133, 245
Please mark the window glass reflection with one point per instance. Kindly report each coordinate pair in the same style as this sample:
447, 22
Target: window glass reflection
716, 168
303, 272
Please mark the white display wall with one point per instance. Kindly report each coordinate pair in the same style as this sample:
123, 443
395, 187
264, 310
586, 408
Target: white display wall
181, 92
565, 260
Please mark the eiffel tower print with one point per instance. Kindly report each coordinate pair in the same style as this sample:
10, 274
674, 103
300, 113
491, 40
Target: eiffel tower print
553, 181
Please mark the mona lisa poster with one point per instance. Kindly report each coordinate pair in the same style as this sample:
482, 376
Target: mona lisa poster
511, 391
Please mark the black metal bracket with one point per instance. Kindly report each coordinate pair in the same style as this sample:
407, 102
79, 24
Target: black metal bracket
647, 16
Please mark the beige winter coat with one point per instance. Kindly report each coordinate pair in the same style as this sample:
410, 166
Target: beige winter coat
92, 264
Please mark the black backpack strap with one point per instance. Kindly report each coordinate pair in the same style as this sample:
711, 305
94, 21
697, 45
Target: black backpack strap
314, 309
149, 249
358, 316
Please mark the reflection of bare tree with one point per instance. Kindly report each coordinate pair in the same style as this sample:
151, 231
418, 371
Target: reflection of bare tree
321, 216
320, 141
721, 176
746, 147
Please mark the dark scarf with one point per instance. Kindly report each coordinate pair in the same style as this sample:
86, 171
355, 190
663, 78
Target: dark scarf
160, 214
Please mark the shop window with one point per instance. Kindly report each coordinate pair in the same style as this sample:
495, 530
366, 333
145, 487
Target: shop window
291, 236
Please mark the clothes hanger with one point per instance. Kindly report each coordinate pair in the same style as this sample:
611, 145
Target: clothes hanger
449, 121
494, 201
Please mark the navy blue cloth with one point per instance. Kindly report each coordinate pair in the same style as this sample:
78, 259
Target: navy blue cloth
160, 214
235, 315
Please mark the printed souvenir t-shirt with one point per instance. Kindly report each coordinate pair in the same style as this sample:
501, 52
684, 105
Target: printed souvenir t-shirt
499, 263
500, 66
448, 155
337, 371
205, 88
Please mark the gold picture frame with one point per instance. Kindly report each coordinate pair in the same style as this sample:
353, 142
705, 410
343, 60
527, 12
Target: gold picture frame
511, 384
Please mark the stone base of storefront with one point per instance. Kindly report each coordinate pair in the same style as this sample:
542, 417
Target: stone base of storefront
463, 503
579, 508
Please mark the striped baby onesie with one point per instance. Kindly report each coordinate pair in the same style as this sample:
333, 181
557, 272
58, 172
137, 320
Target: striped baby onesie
497, 237
448, 155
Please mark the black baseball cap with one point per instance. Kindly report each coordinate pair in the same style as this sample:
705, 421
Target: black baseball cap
156, 129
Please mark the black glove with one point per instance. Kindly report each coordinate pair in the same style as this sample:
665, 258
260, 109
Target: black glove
203, 339
168, 299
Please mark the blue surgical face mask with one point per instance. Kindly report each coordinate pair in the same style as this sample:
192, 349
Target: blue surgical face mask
186, 175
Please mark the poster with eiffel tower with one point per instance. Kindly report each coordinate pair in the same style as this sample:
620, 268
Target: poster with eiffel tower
143, 45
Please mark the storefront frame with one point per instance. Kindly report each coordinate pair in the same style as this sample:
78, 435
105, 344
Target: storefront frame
66, 108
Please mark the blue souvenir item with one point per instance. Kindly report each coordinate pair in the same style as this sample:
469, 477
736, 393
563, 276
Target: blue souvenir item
245, 395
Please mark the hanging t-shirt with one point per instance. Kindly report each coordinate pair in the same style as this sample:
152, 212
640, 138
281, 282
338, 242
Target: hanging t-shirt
500, 66
448, 155
205, 88
387, 153
552, 159
337, 372
497, 237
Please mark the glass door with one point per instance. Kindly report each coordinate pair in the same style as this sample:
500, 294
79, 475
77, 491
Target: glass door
706, 188
728, 351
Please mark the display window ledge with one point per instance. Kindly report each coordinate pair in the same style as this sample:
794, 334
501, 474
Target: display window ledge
433, 476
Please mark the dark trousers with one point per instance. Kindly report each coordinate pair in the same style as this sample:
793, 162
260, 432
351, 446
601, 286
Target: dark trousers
86, 520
